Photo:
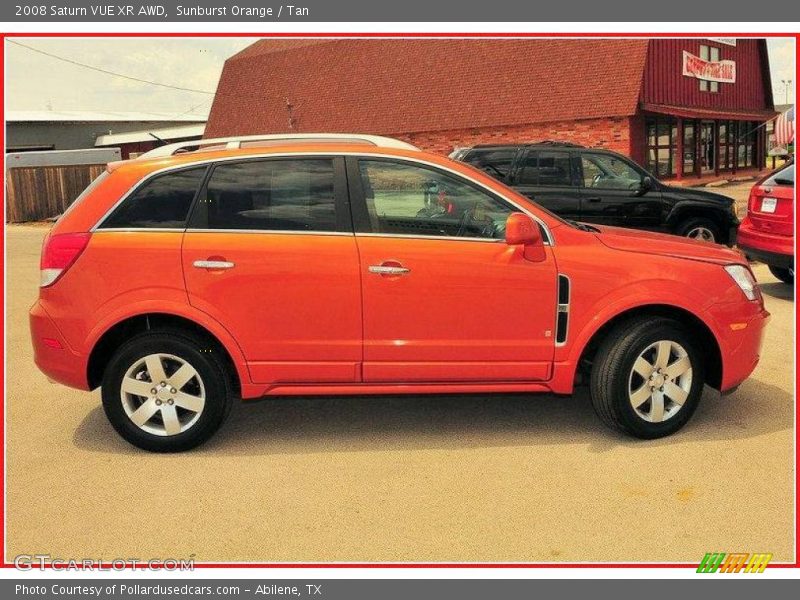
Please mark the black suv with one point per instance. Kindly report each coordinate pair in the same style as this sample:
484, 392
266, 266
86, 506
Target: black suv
599, 186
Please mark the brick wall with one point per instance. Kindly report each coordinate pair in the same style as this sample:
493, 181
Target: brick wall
613, 133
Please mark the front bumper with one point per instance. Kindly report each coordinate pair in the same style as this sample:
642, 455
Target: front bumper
741, 335
52, 354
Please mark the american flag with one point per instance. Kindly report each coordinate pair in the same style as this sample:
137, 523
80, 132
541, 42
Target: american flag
784, 128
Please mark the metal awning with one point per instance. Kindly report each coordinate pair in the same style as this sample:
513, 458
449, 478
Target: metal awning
709, 113
178, 132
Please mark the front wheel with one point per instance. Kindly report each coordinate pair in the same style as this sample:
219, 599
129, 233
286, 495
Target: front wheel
700, 228
784, 274
647, 377
166, 391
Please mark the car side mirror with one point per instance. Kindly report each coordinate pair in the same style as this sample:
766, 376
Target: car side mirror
646, 185
521, 230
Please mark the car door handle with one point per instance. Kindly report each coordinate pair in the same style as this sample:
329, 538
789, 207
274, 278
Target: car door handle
213, 264
594, 199
388, 270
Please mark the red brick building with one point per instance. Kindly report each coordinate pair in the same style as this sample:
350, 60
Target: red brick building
681, 107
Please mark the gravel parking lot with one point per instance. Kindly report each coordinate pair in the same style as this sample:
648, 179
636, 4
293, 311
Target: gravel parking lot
465, 478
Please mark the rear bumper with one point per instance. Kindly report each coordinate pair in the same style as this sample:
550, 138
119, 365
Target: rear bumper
52, 354
769, 248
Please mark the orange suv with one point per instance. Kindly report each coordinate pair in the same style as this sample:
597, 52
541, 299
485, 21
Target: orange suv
348, 264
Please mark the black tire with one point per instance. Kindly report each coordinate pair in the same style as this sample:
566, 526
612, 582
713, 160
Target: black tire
611, 373
692, 224
784, 274
209, 366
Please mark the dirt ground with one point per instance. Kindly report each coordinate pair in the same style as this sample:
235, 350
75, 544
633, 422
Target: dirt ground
465, 478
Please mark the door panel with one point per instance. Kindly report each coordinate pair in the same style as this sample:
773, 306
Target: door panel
464, 311
291, 301
270, 254
611, 195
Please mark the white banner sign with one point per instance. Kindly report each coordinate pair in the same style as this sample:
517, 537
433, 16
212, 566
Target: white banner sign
723, 71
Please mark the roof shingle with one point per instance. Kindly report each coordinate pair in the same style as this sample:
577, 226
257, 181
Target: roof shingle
389, 86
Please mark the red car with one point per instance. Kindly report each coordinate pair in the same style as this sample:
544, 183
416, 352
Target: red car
767, 234
300, 265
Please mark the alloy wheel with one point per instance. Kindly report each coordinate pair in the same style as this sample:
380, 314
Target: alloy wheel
660, 381
162, 394
701, 233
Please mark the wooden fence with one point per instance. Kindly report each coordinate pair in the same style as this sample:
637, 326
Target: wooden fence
39, 193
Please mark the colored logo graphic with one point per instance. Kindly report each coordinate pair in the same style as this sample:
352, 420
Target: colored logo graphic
719, 562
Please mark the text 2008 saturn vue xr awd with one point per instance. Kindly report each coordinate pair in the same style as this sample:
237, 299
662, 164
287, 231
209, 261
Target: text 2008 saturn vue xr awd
349, 264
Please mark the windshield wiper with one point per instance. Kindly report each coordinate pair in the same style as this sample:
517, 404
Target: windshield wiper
582, 226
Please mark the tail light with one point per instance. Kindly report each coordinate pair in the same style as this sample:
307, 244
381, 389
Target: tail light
59, 252
754, 202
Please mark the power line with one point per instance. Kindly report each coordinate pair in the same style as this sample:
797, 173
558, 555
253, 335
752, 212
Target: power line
107, 72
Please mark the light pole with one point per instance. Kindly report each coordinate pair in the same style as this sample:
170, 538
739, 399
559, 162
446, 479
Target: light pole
787, 83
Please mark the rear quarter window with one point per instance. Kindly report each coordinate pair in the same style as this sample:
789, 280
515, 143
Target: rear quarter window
496, 162
162, 202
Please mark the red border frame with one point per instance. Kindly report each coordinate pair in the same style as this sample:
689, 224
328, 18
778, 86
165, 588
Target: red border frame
587, 565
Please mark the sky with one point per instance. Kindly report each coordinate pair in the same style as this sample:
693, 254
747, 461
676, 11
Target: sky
37, 82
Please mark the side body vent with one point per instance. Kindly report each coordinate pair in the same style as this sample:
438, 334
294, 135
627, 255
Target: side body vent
562, 311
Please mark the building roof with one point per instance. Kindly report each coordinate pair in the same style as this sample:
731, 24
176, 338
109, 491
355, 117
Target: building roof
388, 86
87, 116
178, 132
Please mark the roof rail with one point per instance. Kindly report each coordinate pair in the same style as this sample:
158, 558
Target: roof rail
289, 138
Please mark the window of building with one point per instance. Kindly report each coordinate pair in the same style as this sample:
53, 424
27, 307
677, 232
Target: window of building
689, 148
747, 135
494, 161
726, 146
662, 135
545, 168
163, 202
405, 199
711, 54
272, 195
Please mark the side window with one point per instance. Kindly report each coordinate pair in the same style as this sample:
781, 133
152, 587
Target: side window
495, 162
276, 195
546, 169
408, 199
601, 171
161, 203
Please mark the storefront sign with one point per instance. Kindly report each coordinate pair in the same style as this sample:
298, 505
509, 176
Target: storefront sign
723, 71
726, 41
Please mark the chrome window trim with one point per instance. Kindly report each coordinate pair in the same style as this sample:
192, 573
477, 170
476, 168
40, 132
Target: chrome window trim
549, 241
432, 237
140, 229
272, 231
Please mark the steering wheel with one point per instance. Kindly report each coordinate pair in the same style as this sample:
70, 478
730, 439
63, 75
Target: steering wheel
487, 230
596, 179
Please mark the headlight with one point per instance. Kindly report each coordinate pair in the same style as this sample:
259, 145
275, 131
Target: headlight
744, 279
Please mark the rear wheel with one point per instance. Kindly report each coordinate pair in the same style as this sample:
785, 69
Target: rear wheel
166, 391
700, 228
647, 378
785, 275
